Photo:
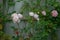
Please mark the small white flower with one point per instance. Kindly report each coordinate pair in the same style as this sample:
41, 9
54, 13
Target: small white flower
31, 13
36, 16
15, 19
20, 16
44, 13
14, 14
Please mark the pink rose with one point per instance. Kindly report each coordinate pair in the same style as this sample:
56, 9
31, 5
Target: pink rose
44, 13
54, 13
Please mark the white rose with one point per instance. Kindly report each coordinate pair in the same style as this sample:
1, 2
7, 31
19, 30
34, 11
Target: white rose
14, 14
44, 13
31, 13
16, 19
36, 16
20, 16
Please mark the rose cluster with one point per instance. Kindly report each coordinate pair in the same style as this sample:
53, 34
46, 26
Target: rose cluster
54, 13
16, 17
36, 16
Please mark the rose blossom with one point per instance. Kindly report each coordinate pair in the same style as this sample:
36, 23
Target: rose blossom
14, 14
36, 16
31, 13
15, 17
44, 13
54, 13
20, 16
